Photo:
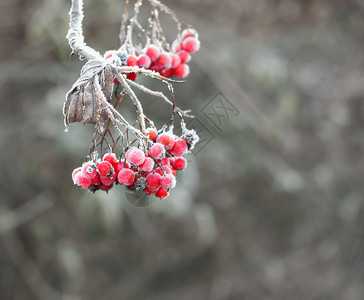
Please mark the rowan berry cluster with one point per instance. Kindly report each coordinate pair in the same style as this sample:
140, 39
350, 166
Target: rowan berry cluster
153, 57
152, 170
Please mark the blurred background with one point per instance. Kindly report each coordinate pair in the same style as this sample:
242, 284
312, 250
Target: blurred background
272, 203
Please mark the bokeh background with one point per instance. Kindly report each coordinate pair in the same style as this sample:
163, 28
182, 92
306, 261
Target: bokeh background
272, 204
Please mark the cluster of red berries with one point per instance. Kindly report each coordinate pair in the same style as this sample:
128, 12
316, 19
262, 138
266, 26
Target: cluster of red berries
152, 170
168, 64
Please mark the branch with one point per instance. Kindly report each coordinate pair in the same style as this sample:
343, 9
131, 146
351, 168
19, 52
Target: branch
75, 35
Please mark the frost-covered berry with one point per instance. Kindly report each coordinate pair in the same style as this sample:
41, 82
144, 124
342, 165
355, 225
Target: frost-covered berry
149, 191
191, 44
168, 181
176, 60
180, 163
147, 165
152, 133
108, 180
161, 193
132, 76
153, 52
166, 72
164, 170
111, 158
144, 61
132, 61
104, 168
105, 187
96, 180
179, 148
188, 32
153, 181
135, 156
126, 177
74, 172
166, 139
82, 181
164, 61
121, 165
184, 56
89, 169
181, 71
157, 150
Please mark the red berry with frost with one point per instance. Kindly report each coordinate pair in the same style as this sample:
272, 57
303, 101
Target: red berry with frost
144, 61
161, 193
184, 56
166, 139
179, 148
180, 163
153, 181
164, 61
132, 76
108, 180
191, 44
168, 181
132, 61
181, 71
82, 181
121, 165
149, 191
104, 168
157, 150
174, 172
89, 169
166, 170
147, 165
152, 133
166, 72
105, 187
188, 32
126, 177
111, 158
135, 156
165, 162
176, 60
96, 180
153, 52
74, 172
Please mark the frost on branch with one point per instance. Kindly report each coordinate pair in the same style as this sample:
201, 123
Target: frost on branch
106, 80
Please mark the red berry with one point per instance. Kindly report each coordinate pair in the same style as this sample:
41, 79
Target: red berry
166, 170
166, 72
188, 32
96, 180
121, 165
181, 71
105, 187
126, 177
147, 165
161, 193
153, 181
166, 139
153, 52
173, 172
132, 76
105, 168
191, 44
180, 163
184, 56
179, 148
168, 181
176, 60
132, 61
149, 191
152, 133
89, 169
82, 181
165, 162
144, 61
135, 156
164, 61
108, 180
157, 151
111, 158
74, 172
